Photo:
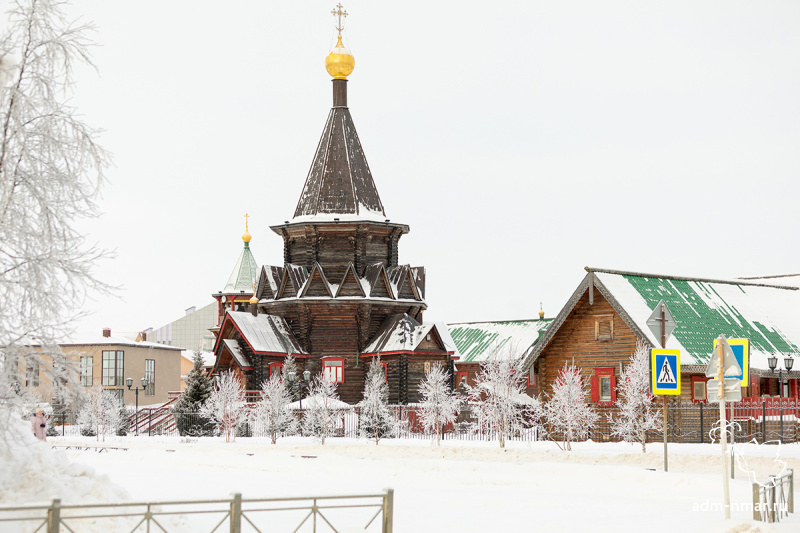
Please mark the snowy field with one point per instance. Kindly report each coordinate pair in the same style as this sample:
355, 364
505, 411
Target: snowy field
462, 486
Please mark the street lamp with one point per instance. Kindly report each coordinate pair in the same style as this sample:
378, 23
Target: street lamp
300, 384
788, 362
129, 382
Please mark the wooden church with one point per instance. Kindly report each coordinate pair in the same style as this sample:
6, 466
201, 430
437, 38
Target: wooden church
342, 297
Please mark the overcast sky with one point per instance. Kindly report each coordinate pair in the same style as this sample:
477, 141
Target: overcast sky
521, 141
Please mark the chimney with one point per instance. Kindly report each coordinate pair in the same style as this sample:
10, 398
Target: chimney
143, 335
106, 332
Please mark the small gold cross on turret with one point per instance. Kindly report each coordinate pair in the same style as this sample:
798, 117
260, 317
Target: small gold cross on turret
246, 216
337, 12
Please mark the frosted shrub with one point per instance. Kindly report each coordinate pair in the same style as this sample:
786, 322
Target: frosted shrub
567, 412
375, 419
638, 413
226, 407
272, 413
439, 405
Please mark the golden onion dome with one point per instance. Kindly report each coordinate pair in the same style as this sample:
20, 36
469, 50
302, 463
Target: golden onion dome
246, 237
254, 300
340, 62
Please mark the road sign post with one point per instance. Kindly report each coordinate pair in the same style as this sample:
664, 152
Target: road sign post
723, 363
661, 323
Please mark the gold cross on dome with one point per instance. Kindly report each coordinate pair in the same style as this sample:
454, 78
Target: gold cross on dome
337, 12
246, 216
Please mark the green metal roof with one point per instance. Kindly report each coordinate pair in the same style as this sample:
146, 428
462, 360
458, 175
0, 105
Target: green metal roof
485, 341
243, 277
704, 309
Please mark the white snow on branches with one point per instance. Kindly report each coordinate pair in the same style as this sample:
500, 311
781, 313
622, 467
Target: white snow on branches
439, 405
567, 412
638, 413
226, 407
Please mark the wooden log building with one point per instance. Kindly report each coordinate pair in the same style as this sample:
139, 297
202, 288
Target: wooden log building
598, 328
342, 296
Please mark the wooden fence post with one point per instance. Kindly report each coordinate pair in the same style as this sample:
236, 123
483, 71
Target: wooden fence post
236, 513
388, 511
790, 497
757, 502
54, 516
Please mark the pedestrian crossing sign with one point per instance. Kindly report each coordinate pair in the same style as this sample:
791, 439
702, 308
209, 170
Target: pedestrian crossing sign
665, 371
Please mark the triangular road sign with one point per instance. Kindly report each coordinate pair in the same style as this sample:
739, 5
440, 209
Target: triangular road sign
665, 375
729, 362
654, 322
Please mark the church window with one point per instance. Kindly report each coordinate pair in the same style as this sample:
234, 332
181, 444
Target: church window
333, 369
385, 367
275, 369
32, 373
150, 376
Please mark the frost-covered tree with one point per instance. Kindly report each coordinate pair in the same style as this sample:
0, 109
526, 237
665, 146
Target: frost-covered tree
439, 405
273, 413
500, 400
51, 168
638, 413
375, 419
322, 408
567, 412
100, 413
187, 408
225, 406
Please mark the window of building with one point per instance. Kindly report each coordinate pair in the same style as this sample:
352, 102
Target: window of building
32, 373
604, 386
333, 369
150, 376
604, 327
87, 364
385, 367
275, 368
113, 367
119, 393
462, 378
699, 391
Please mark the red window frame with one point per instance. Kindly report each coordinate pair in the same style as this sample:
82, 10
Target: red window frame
595, 380
273, 367
463, 377
697, 379
326, 366
385, 367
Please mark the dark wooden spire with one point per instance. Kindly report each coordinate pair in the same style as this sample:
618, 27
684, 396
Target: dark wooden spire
339, 182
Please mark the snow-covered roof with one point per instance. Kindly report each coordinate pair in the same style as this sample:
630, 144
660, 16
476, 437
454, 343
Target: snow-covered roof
208, 357
487, 341
317, 401
265, 333
241, 359
114, 340
764, 313
401, 333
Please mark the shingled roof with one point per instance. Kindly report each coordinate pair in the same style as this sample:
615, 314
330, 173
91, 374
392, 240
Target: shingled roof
339, 183
703, 309
243, 277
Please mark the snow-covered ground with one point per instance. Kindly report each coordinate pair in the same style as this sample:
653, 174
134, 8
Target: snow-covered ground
462, 486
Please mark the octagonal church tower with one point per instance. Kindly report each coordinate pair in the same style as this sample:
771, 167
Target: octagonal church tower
342, 297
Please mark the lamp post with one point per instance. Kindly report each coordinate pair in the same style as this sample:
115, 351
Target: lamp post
788, 362
16, 388
300, 384
129, 382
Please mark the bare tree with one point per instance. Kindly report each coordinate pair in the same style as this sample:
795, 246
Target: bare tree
51, 169
100, 412
375, 419
439, 405
273, 412
323, 408
567, 412
500, 400
638, 413
226, 406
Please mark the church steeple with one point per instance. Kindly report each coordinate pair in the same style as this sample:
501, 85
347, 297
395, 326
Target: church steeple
339, 183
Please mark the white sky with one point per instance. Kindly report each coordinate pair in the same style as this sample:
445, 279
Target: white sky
521, 141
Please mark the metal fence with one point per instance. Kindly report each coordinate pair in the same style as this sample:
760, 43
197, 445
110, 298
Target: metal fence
362, 512
774, 499
761, 420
